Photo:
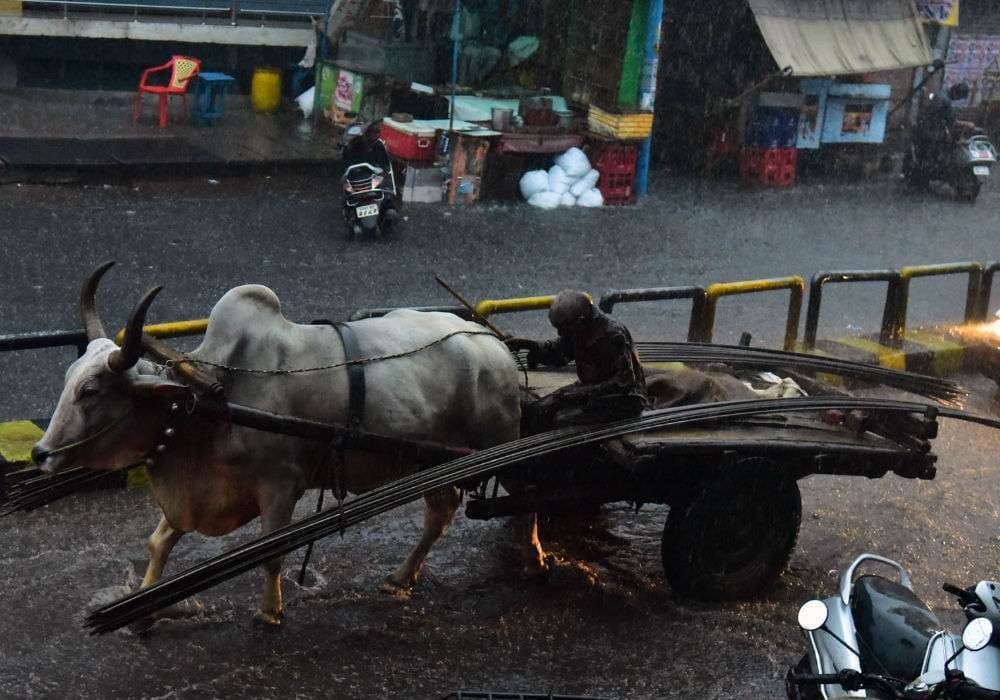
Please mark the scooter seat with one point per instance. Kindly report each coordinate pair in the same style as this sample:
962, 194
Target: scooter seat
893, 625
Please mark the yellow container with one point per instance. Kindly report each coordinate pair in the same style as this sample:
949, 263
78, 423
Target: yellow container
265, 90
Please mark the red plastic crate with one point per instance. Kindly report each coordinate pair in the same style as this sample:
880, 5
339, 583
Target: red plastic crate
616, 163
768, 166
408, 142
615, 158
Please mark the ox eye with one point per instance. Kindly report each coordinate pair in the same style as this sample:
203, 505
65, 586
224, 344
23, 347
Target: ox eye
87, 391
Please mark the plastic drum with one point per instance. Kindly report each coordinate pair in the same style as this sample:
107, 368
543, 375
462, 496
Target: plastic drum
265, 90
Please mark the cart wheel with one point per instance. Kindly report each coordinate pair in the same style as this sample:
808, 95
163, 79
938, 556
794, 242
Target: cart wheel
735, 537
794, 691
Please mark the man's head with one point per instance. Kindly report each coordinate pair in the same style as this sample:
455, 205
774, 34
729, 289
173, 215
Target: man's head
372, 131
958, 91
570, 311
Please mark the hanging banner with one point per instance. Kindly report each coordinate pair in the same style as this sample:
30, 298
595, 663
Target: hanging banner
941, 11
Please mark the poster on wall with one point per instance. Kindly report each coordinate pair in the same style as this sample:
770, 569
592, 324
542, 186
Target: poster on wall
812, 112
940, 11
968, 61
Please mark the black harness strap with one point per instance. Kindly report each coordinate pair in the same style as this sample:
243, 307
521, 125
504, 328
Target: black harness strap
355, 411
355, 372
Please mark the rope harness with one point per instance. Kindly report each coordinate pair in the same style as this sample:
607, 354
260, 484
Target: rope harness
89, 438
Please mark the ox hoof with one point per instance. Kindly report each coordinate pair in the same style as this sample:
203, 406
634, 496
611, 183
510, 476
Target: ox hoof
141, 626
394, 587
268, 620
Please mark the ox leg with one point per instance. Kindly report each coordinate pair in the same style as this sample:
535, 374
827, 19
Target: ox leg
440, 507
274, 515
159, 546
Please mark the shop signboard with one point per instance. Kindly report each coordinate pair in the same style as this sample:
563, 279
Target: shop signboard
968, 61
940, 11
811, 113
856, 113
348, 90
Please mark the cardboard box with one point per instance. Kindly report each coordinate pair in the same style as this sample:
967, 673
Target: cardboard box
423, 184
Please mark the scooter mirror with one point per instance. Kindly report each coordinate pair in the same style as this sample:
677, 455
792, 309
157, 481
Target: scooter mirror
977, 634
812, 615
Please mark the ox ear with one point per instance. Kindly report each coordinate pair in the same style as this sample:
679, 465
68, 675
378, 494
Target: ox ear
157, 387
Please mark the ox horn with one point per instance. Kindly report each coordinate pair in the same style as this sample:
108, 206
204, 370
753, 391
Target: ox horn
131, 349
88, 306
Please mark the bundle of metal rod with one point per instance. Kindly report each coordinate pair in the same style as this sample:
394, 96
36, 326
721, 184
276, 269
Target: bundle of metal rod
475, 466
763, 358
45, 489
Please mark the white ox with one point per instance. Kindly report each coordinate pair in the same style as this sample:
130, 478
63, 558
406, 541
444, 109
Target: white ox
213, 477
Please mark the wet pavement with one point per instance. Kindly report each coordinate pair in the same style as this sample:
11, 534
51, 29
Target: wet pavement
607, 623
45, 134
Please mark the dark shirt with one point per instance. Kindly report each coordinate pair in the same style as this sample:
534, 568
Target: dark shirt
360, 151
936, 118
604, 354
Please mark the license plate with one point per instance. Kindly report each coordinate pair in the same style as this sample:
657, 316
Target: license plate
981, 170
367, 210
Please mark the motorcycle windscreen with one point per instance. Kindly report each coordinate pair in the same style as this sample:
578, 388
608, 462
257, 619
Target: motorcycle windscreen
893, 625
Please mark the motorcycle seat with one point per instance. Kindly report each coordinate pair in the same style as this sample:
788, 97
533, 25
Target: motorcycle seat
894, 627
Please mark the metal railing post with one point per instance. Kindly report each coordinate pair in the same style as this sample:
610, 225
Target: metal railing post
614, 297
794, 284
894, 325
839, 276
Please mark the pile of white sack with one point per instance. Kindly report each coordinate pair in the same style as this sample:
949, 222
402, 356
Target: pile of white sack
570, 182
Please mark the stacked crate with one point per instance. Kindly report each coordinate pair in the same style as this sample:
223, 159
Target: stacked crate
768, 166
616, 162
769, 156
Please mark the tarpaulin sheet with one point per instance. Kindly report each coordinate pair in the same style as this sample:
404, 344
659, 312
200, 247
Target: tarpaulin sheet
837, 37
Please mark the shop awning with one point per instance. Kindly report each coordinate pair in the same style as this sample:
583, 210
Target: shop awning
835, 37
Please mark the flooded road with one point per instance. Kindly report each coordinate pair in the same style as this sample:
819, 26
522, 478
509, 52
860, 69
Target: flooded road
606, 623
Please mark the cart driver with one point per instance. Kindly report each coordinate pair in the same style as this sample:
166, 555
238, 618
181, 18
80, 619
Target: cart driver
611, 384
368, 147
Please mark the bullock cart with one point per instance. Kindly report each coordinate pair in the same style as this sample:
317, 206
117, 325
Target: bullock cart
732, 485
728, 470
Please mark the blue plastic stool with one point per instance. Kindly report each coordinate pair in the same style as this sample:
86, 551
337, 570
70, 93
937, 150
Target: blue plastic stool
210, 97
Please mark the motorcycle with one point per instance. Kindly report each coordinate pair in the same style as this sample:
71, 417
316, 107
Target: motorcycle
364, 197
965, 165
877, 639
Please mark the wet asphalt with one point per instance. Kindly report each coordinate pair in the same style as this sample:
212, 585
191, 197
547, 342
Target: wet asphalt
607, 624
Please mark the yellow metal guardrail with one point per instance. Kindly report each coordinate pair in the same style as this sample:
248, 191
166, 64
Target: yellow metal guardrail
488, 307
894, 327
795, 284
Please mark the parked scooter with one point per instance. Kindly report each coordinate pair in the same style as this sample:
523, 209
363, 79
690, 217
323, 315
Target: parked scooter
965, 165
876, 639
365, 189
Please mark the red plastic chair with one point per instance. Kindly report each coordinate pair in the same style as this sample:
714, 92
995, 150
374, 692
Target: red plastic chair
182, 70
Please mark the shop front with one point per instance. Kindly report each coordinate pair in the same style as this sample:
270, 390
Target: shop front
473, 94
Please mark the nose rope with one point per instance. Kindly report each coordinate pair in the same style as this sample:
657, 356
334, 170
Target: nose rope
87, 439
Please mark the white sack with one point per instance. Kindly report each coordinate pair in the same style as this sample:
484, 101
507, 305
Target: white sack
591, 198
574, 162
559, 182
585, 183
567, 200
533, 182
306, 100
545, 200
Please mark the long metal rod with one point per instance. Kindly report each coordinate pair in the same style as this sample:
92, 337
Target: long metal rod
934, 387
473, 467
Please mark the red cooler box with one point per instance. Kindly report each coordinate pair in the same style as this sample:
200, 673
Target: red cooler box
408, 140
